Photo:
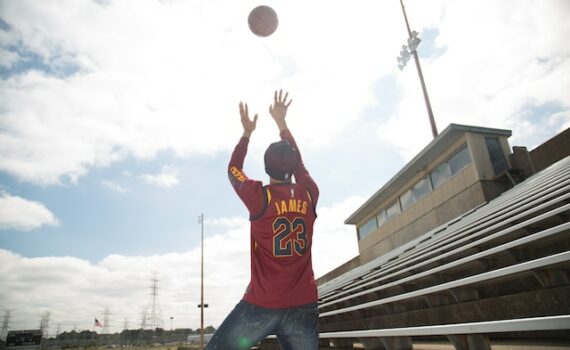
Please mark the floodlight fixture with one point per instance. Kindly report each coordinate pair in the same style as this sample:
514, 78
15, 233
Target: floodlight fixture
404, 57
414, 41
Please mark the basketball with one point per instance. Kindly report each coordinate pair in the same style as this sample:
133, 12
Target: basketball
262, 21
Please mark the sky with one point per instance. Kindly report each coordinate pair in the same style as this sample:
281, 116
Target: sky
118, 118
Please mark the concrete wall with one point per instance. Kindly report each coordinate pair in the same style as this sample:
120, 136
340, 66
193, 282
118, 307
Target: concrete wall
447, 205
551, 151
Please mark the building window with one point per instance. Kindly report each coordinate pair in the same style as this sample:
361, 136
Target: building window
381, 217
440, 175
451, 167
407, 199
459, 161
366, 229
393, 210
496, 155
421, 189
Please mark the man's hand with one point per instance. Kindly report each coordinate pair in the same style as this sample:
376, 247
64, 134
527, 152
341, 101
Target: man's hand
278, 109
248, 124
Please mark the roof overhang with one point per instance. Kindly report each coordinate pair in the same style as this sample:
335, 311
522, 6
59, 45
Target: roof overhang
437, 146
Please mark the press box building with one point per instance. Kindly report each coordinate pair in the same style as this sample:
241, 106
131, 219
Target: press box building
463, 167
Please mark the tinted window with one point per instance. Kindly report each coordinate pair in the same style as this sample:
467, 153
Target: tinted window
459, 161
419, 191
496, 154
440, 175
407, 199
422, 188
367, 228
381, 218
393, 210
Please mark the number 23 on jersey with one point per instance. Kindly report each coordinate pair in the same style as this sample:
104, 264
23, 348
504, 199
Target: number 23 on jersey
289, 237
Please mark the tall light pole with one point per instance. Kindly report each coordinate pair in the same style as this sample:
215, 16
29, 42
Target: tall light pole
413, 42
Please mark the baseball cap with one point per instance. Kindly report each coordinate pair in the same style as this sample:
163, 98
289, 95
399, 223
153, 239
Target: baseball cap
280, 160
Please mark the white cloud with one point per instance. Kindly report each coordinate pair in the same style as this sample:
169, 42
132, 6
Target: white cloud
168, 177
8, 58
155, 76
115, 186
169, 75
17, 213
31, 286
334, 243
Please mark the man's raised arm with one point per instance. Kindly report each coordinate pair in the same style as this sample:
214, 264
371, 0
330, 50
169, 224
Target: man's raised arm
278, 111
248, 190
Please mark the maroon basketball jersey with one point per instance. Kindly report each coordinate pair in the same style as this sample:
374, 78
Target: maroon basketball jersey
282, 217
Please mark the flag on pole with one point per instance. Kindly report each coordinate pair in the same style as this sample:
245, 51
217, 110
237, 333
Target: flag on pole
98, 324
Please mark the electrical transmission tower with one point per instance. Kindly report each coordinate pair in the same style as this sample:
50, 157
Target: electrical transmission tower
154, 314
44, 324
143, 318
106, 318
5, 325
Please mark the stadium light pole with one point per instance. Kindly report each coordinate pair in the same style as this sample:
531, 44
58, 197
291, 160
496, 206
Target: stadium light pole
413, 42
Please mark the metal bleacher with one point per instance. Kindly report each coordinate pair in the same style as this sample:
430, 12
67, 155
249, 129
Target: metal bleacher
499, 271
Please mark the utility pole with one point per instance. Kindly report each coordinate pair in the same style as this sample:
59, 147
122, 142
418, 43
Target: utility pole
413, 42
202, 305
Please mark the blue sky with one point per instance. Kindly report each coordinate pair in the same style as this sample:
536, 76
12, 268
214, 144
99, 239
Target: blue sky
117, 120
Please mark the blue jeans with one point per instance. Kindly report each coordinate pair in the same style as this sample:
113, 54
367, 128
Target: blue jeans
296, 328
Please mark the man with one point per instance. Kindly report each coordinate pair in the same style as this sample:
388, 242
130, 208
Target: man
281, 298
